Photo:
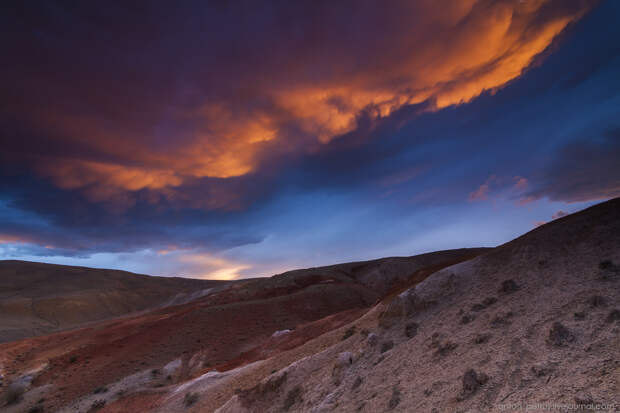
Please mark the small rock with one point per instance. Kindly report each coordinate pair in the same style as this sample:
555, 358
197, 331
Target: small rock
579, 315
560, 335
614, 315
411, 329
482, 338
280, 333
509, 287
541, 370
478, 307
472, 381
485, 303
489, 301
358, 382
345, 359
372, 339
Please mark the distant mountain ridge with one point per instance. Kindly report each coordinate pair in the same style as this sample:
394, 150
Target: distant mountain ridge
38, 298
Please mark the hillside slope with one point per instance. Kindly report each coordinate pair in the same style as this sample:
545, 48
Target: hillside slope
234, 325
534, 322
37, 298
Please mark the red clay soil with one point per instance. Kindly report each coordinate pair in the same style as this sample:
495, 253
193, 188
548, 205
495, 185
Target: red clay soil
139, 402
84, 359
227, 329
295, 338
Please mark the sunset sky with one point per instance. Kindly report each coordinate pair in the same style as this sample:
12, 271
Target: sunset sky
234, 139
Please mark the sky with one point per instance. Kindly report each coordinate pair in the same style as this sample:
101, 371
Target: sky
234, 139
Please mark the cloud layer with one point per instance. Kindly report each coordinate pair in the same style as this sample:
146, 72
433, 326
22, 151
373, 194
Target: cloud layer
215, 128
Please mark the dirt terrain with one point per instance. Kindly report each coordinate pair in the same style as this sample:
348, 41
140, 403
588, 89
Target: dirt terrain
532, 325
230, 326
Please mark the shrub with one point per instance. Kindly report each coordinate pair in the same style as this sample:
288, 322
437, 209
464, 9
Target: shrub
97, 404
350, 331
358, 382
559, 335
387, 345
411, 329
509, 287
395, 399
482, 338
292, 397
190, 398
614, 315
100, 389
467, 318
472, 381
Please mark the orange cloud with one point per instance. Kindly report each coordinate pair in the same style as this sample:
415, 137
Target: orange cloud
209, 267
447, 53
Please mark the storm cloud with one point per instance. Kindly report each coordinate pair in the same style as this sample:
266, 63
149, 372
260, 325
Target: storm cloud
214, 126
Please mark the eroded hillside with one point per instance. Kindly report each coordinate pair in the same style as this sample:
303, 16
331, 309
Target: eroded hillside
144, 356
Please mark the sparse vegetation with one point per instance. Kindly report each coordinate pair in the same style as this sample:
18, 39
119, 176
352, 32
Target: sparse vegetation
100, 389
614, 315
472, 381
293, 397
467, 318
358, 382
502, 320
73, 359
395, 399
97, 404
559, 335
509, 287
482, 338
350, 331
387, 345
484, 304
36, 409
190, 399
541, 370
445, 348
489, 301
411, 329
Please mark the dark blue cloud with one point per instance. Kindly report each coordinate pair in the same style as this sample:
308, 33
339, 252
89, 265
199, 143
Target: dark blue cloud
375, 190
